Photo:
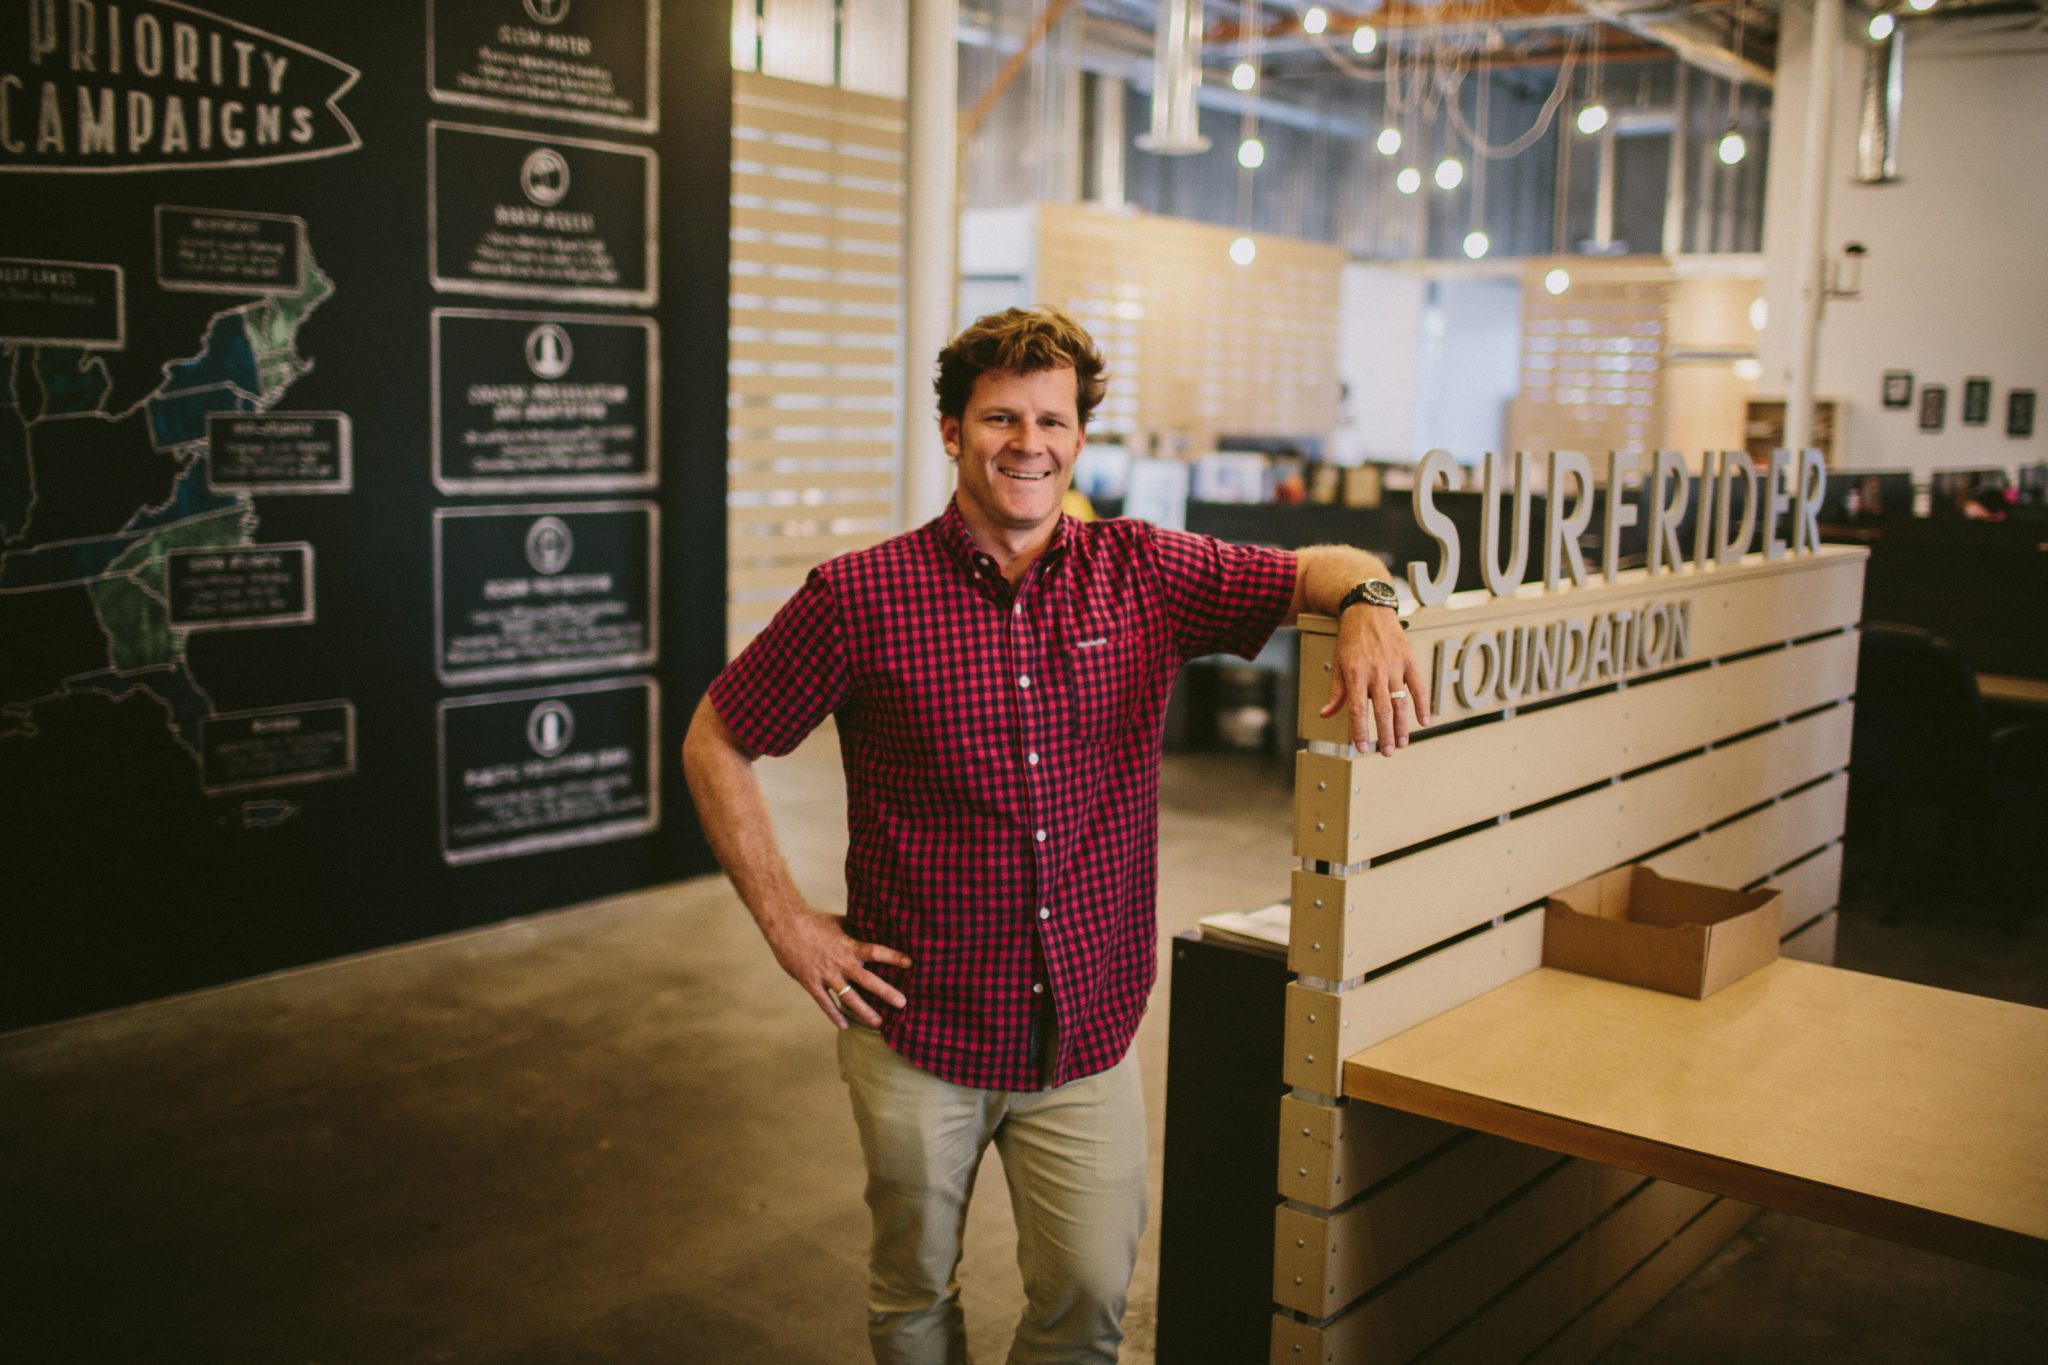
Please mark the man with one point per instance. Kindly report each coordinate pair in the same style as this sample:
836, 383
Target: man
999, 676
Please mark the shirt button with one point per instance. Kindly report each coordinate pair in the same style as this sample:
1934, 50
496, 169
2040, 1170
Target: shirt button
1024, 680
1032, 758
1038, 988
1017, 610
1044, 912
1041, 839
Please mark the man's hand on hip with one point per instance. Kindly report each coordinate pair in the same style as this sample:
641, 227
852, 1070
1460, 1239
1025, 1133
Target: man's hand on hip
813, 947
1376, 679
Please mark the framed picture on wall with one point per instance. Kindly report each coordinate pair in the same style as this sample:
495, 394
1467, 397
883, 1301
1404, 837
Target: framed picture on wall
1933, 406
2019, 413
1898, 388
1976, 401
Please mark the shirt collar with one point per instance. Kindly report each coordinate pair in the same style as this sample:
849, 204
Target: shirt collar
950, 530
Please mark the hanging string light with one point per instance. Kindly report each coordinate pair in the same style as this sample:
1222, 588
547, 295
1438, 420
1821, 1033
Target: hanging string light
1477, 243
1593, 115
1251, 148
1733, 147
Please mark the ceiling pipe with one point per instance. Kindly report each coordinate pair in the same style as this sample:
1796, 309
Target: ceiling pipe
1693, 42
1884, 92
1823, 56
1177, 75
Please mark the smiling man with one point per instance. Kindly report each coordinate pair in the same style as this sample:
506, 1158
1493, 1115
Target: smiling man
1000, 677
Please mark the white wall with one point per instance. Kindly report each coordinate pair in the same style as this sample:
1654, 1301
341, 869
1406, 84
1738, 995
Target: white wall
1470, 367
1430, 360
1379, 320
1956, 280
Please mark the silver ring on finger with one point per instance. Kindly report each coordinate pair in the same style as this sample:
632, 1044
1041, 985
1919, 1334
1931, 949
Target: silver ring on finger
1396, 696
839, 996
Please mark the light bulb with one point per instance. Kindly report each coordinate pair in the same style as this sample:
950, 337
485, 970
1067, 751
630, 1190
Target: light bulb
1759, 313
1557, 281
1244, 251
1733, 148
1450, 173
1389, 141
1364, 39
1409, 180
1251, 153
1243, 76
1592, 118
1921, 6
1315, 21
1476, 243
1881, 26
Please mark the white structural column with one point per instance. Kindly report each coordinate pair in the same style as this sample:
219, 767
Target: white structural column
929, 249
1824, 61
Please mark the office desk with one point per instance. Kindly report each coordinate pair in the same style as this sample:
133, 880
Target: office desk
1910, 1113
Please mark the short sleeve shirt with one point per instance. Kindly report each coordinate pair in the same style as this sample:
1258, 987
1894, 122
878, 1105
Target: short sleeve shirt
1002, 750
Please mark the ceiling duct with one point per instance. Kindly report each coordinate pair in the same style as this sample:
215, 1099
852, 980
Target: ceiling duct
1176, 75
1884, 90
1692, 41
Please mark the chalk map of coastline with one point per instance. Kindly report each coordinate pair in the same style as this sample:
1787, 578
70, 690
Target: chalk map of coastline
85, 528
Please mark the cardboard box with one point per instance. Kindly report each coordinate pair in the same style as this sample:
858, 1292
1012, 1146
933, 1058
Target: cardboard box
1635, 926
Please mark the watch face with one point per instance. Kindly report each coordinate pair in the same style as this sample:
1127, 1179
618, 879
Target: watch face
1380, 593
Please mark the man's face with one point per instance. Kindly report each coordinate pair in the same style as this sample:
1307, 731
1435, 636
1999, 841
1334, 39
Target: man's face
1015, 446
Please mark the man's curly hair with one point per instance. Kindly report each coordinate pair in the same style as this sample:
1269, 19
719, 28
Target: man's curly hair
1019, 341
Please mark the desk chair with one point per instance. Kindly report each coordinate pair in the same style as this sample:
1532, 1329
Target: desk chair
1928, 775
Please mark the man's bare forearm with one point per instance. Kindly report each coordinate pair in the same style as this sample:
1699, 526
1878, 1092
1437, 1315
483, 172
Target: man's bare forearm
1324, 573
734, 815
812, 946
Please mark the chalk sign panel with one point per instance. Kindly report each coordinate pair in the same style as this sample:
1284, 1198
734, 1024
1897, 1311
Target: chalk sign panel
526, 772
517, 215
225, 251
281, 452
251, 585
61, 303
544, 402
277, 746
548, 59
544, 589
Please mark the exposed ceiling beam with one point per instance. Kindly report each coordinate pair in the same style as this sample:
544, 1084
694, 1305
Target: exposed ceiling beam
1691, 39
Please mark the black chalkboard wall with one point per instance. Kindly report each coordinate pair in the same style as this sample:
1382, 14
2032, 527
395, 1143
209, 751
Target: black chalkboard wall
362, 448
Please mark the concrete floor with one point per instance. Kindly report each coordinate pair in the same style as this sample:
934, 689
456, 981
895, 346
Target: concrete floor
615, 1133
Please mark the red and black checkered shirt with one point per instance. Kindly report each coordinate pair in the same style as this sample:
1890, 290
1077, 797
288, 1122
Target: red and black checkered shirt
1002, 767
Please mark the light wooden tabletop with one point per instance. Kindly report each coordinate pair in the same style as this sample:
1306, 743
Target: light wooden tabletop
1911, 1113
2024, 691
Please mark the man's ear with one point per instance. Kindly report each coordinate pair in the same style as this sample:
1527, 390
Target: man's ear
949, 432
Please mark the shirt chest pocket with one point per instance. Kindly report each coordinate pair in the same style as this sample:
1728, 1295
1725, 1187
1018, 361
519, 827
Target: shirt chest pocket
1107, 672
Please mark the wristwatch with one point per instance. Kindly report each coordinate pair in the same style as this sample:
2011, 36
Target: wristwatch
1374, 592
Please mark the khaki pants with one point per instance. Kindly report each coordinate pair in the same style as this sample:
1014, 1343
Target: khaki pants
1075, 1160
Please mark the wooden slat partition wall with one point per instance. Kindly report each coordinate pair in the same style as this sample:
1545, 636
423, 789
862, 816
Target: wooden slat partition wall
1592, 375
1420, 887
815, 395
1195, 343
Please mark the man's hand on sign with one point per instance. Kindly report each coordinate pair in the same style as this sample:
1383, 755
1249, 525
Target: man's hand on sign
813, 947
1376, 679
